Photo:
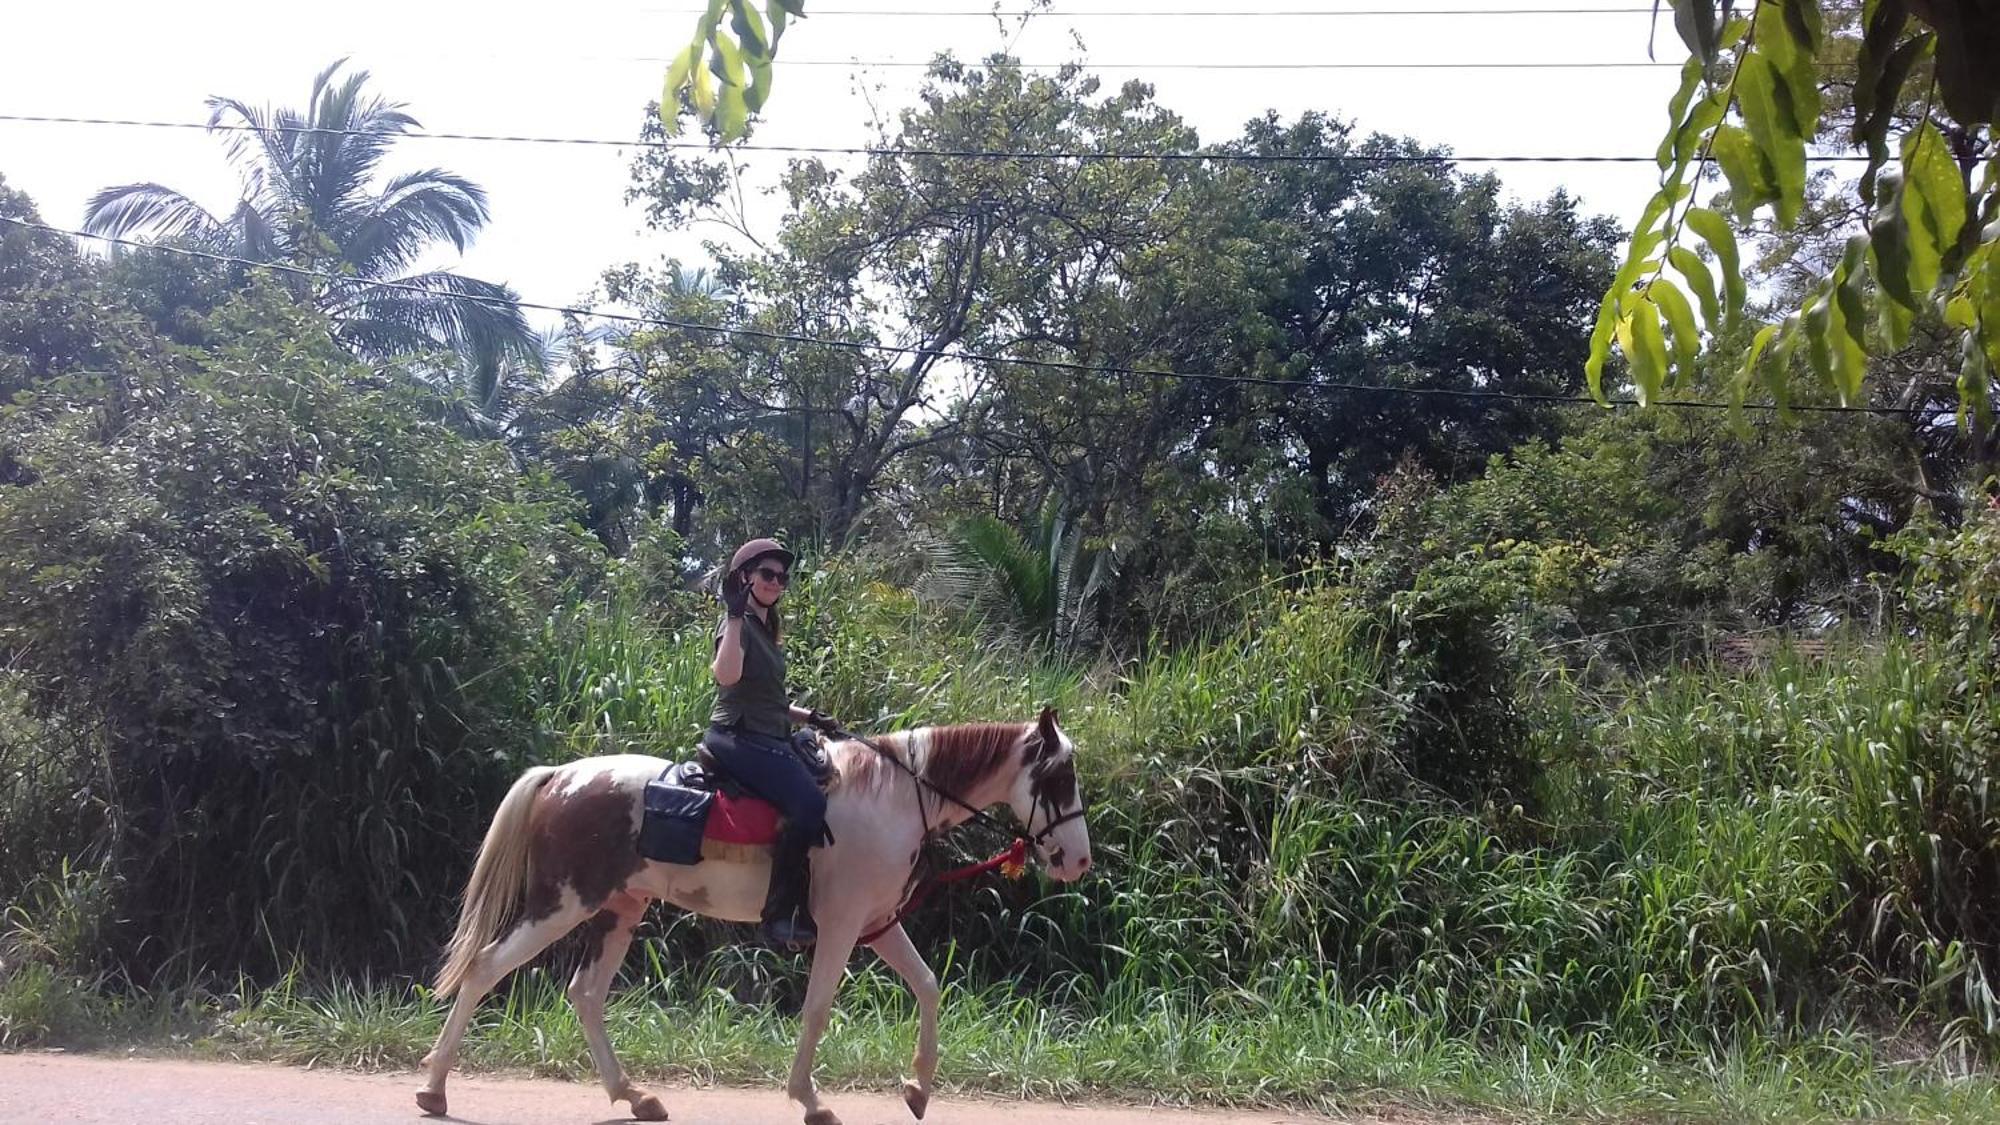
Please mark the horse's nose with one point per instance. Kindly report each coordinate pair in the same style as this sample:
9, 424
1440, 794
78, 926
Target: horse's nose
1083, 865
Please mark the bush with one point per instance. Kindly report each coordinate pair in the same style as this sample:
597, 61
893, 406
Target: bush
299, 617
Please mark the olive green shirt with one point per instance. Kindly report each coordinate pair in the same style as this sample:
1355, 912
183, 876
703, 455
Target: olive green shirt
757, 701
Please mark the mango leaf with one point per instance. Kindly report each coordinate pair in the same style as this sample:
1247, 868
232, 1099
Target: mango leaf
1774, 133
1685, 336
760, 85
1931, 178
1691, 72
1748, 372
726, 61
1850, 293
1696, 22
1846, 340
1819, 337
1600, 344
1645, 346
1896, 267
1714, 230
1701, 281
1893, 320
1791, 41
1882, 23
749, 28
1650, 232
670, 94
1871, 125
704, 92
1931, 206
1752, 182
1968, 31
731, 114
1778, 372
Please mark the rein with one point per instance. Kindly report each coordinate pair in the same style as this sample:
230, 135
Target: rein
1011, 861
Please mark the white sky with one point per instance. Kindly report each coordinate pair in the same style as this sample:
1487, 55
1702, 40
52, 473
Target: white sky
585, 68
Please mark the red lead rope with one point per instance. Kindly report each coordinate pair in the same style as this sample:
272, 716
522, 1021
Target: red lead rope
1011, 863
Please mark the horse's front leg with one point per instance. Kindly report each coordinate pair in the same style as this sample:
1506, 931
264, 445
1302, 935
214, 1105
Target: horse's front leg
897, 952
830, 955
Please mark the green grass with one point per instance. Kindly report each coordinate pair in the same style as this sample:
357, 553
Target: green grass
1732, 897
1303, 1050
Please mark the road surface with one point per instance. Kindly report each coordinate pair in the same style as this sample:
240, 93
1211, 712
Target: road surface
64, 1088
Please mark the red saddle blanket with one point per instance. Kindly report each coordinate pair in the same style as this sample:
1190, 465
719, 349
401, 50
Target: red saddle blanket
741, 820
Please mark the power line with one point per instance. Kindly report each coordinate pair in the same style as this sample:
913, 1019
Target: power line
860, 64
1297, 386
1078, 13
939, 153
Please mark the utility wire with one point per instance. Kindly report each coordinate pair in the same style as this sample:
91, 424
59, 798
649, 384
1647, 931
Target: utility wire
938, 153
1129, 13
1294, 385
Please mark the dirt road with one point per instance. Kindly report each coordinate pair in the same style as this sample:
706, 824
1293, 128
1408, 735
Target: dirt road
92, 1089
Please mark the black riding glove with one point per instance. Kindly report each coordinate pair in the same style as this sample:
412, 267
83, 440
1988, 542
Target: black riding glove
823, 722
735, 597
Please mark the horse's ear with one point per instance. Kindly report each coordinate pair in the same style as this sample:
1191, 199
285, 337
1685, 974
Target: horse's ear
1047, 729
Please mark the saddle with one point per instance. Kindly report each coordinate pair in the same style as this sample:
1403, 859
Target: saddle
697, 810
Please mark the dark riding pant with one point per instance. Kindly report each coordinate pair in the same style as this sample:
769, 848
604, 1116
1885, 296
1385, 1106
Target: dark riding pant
769, 768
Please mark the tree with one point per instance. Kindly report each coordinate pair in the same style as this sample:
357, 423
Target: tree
294, 614
309, 200
1750, 101
55, 317
1413, 276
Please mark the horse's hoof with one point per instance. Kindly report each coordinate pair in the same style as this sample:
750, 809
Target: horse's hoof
432, 1103
648, 1107
916, 1098
822, 1117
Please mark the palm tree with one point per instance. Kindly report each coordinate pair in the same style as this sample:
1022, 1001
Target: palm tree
309, 199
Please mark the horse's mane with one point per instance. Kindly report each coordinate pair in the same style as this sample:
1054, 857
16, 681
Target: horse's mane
956, 759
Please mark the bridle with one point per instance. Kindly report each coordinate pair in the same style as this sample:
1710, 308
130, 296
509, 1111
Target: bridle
1011, 861
1026, 833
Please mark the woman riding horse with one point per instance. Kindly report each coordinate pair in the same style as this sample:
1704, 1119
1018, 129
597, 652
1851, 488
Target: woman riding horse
749, 731
562, 852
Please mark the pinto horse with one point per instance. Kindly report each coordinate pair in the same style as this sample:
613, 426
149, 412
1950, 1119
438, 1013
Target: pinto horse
563, 850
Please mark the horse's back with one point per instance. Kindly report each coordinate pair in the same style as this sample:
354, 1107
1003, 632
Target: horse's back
626, 772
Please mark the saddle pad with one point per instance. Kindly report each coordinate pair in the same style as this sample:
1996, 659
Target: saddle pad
742, 820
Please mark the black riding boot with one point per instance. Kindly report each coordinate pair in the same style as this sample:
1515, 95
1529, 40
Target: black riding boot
788, 919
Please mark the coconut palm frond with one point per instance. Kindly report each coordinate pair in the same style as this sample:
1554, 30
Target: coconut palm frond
152, 209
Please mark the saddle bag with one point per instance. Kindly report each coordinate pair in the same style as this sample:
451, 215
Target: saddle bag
677, 807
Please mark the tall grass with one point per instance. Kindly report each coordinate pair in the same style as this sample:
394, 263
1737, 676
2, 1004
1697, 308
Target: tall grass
1758, 894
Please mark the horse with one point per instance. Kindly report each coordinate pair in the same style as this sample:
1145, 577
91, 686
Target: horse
562, 851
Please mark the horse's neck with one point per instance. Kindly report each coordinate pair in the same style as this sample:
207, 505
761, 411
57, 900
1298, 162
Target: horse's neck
976, 770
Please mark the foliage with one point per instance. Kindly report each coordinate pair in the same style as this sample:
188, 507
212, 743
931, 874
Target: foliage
1750, 100
735, 80
310, 202
1032, 585
291, 612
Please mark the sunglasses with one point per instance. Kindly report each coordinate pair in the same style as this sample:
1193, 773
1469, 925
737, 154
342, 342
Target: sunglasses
780, 577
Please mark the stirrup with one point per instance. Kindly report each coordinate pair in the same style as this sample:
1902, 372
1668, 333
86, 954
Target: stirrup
789, 933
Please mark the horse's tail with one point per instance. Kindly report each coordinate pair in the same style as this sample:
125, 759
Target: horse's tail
498, 876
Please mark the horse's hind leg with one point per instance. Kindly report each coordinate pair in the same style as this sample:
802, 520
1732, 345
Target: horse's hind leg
897, 952
611, 932
523, 941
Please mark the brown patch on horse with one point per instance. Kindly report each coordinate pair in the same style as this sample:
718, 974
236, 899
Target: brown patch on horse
580, 838
960, 758
594, 932
1052, 778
